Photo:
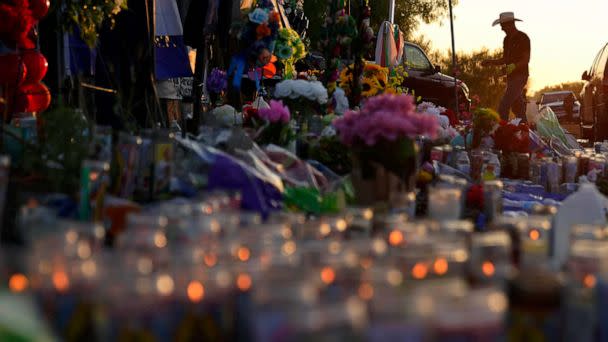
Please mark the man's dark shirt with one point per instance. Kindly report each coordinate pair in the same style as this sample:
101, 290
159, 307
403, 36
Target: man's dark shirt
516, 48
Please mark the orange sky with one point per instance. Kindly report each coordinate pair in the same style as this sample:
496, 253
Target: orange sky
565, 35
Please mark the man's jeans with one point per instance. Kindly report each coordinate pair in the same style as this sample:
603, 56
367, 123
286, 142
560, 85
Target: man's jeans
513, 99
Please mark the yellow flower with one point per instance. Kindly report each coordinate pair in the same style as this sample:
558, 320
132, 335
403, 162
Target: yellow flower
331, 87
370, 87
382, 80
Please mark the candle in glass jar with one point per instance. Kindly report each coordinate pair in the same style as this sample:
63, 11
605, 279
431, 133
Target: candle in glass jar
444, 204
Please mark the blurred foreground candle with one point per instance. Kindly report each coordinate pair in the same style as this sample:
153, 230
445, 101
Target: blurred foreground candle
444, 204
471, 315
582, 296
490, 257
398, 316
492, 199
535, 240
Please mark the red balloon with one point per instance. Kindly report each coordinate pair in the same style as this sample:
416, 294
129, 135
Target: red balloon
12, 70
39, 8
34, 97
36, 65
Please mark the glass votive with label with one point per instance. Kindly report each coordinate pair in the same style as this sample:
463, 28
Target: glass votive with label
492, 199
145, 231
395, 315
360, 221
444, 204
490, 258
471, 315
535, 240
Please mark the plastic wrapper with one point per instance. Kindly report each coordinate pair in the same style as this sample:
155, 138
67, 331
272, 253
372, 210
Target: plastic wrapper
548, 127
292, 170
206, 167
312, 201
260, 192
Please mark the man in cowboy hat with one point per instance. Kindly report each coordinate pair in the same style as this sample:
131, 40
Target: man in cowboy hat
515, 58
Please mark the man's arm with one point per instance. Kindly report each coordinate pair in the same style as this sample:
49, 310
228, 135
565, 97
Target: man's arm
493, 62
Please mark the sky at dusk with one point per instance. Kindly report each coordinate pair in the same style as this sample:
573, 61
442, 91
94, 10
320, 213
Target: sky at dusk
565, 34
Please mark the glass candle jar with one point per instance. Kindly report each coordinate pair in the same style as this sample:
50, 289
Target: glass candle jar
473, 315
445, 204
490, 258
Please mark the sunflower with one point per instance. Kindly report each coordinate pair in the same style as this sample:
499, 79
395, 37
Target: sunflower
382, 80
370, 87
346, 78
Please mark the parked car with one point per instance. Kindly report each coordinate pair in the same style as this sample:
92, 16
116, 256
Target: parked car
594, 98
427, 81
555, 101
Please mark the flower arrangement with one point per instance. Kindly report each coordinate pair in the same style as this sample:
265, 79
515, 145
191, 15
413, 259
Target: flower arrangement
445, 131
337, 34
385, 117
89, 17
277, 112
373, 80
485, 122
511, 138
302, 89
289, 49
273, 127
395, 80
261, 28
383, 133
257, 38
217, 82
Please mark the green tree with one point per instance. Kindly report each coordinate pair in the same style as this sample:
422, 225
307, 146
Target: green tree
485, 83
408, 14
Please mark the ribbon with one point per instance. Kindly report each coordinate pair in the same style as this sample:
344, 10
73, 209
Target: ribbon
237, 67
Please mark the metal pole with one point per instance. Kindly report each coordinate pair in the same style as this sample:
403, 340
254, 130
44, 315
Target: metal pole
454, 57
391, 11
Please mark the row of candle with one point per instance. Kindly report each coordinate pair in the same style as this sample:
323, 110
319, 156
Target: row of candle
201, 269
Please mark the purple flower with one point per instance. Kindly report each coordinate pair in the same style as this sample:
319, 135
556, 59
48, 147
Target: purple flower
217, 81
277, 112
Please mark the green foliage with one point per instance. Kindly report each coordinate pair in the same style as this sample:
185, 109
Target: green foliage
575, 87
330, 152
488, 83
62, 147
88, 15
409, 13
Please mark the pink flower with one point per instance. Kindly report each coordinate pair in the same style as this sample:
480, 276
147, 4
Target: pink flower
384, 117
277, 112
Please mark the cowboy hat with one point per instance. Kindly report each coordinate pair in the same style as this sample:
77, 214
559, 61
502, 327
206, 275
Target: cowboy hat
505, 17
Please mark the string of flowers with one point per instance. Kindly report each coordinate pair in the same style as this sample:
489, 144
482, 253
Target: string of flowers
337, 34
289, 49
